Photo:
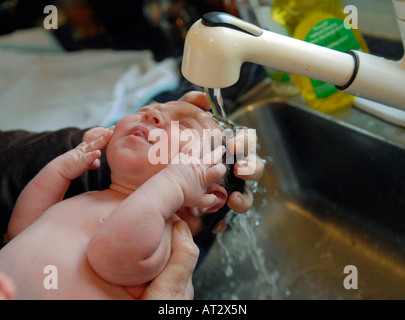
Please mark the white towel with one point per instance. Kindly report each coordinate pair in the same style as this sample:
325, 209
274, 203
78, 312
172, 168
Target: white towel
44, 88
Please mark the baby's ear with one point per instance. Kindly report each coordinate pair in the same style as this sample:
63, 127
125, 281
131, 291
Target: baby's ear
220, 198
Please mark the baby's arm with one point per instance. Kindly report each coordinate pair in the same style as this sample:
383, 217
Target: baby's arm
132, 246
49, 186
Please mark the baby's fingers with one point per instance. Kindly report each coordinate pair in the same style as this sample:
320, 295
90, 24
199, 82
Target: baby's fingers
216, 169
215, 173
88, 154
251, 168
91, 159
101, 142
214, 157
74, 162
97, 144
240, 202
207, 200
95, 133
244, 142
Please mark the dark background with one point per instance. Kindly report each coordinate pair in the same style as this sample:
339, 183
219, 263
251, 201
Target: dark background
119, 24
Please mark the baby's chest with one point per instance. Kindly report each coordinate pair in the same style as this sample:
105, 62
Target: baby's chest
78, 215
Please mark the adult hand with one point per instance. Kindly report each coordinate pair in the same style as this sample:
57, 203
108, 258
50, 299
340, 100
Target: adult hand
7, 288
197, 98
242, 142
250, 168
174, 282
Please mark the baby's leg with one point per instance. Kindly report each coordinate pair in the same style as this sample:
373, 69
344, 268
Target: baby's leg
7, 288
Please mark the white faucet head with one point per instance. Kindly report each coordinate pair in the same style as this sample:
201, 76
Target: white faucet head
213, 56
217, 45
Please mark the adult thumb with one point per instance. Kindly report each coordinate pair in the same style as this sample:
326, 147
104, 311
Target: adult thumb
175, 281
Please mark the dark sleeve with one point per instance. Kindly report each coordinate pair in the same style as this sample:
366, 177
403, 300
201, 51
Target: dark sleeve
23, 154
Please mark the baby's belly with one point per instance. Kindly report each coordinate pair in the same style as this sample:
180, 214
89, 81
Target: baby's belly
48, 260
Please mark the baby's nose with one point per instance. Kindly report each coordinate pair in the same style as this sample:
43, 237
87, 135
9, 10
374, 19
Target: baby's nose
153, 116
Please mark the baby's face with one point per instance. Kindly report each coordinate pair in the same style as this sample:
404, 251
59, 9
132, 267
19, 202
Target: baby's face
132, 150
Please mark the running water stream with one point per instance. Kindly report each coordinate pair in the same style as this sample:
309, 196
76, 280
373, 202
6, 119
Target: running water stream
216, 102
240, 246
236, 266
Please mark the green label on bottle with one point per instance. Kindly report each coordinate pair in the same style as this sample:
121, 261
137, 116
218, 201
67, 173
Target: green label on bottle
277, 75
331, 33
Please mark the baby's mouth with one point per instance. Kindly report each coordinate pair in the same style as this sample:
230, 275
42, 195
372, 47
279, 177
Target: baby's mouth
141, 132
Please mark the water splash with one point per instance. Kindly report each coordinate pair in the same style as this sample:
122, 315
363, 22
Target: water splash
239, 249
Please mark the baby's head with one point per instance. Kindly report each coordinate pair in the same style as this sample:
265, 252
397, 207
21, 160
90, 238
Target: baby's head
144, 143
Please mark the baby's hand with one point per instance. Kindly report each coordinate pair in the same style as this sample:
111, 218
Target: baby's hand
95, 133
196, 174
240, 144
85, 156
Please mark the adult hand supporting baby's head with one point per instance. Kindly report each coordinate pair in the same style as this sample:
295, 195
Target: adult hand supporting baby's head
174, 282
198, 99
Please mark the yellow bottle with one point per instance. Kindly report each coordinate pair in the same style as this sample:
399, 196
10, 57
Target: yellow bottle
320, 22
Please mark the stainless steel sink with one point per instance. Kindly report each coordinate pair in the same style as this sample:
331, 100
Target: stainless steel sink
332, 195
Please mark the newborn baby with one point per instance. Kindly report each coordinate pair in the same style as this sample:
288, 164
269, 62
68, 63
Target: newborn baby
109, 244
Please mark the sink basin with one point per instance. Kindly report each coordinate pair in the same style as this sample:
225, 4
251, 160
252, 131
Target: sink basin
332, 197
